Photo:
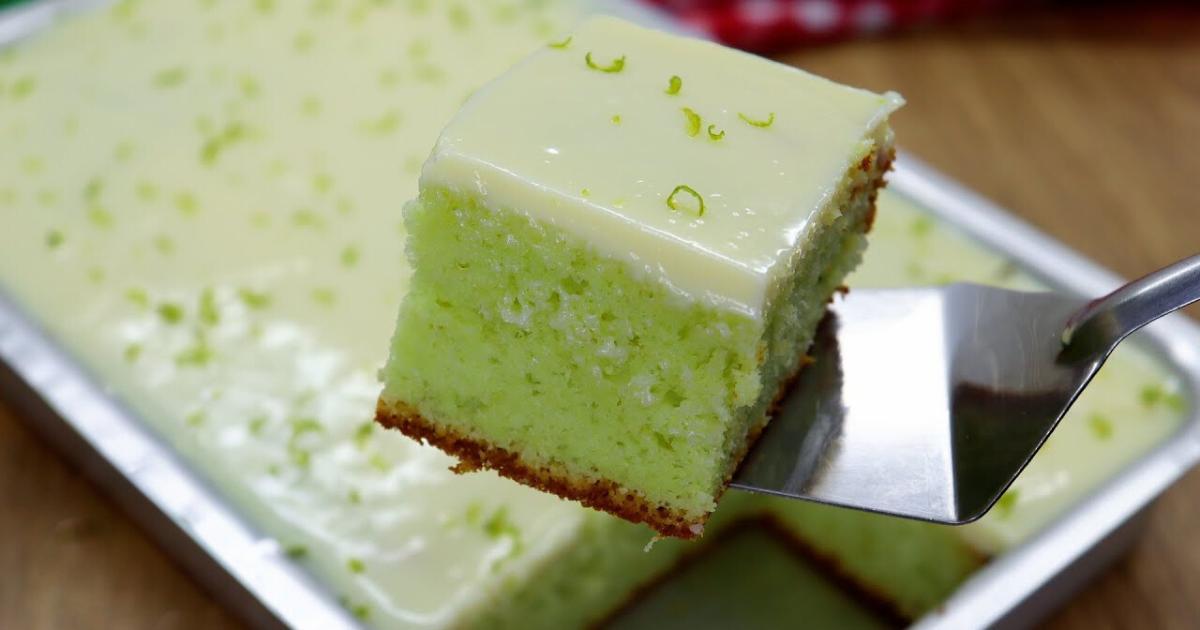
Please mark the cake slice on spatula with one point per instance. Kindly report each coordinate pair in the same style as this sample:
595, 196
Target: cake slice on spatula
621, 250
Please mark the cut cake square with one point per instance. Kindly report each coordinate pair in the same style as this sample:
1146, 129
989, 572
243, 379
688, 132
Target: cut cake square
621, 249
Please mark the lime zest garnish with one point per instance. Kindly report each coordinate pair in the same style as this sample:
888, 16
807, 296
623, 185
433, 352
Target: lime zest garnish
196, 355
1007, 503
138, 297
194, 419
300, 426
254, 300
688, 190
170, 312
561, 45
323, 296
363, 433
209, 313
499, 524
22, 87
693, 121
132, 352
170, 77
617, 64
1101, 426
674, 85
758, 123
54, 238
714, 133
616, 119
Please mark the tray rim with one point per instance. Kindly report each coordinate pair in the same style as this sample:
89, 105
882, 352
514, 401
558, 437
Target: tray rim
157, 473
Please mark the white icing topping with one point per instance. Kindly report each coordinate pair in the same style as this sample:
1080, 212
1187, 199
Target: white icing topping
543, 140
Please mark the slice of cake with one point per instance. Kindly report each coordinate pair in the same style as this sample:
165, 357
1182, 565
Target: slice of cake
621, 249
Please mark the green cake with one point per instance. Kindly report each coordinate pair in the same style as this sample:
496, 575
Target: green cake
618, 264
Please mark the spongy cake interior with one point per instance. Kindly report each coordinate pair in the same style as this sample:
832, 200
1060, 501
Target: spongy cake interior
604, 386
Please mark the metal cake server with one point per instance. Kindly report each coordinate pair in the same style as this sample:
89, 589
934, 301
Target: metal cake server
926, 403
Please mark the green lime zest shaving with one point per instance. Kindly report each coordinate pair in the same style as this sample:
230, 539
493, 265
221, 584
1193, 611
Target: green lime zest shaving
687, 190
170, 312
163, 244
300, 426
138, 297
22, 87
499, 524
212, 148
363, 433
616, 119
617, 64
300, 457
210, 314
196, 355
378, 462
361, 611
323, 296
1101, 426
674, 85
1007, 503
254, 300
758, 123
296, 552
714, 133
561, 45
170, 77
132, 352
693, 121
100, 217
54, 238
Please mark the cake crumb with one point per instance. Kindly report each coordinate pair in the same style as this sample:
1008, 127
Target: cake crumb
650, 543
463, 467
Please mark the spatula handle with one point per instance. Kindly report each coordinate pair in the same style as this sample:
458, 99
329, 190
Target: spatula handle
1113, 317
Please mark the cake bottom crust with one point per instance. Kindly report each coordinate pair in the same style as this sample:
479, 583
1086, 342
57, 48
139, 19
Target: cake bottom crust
474, 454
601, 494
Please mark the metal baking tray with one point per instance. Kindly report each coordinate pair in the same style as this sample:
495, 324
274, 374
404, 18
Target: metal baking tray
249, 573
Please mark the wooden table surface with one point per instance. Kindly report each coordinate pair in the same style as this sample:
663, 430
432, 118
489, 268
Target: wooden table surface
1082, 121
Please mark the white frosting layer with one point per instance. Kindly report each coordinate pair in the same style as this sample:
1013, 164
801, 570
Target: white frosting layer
599, 153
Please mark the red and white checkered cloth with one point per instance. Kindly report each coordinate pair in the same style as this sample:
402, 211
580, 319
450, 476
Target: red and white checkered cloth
765, 25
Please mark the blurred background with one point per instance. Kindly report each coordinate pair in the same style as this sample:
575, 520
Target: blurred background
1100, 101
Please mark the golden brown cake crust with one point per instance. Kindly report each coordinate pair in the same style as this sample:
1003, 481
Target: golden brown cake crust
601, 494
474, 454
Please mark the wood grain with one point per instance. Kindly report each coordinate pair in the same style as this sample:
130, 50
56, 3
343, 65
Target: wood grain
1084, 122
69, 559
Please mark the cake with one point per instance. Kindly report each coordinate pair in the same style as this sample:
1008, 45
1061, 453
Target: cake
619, 262
256, 360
